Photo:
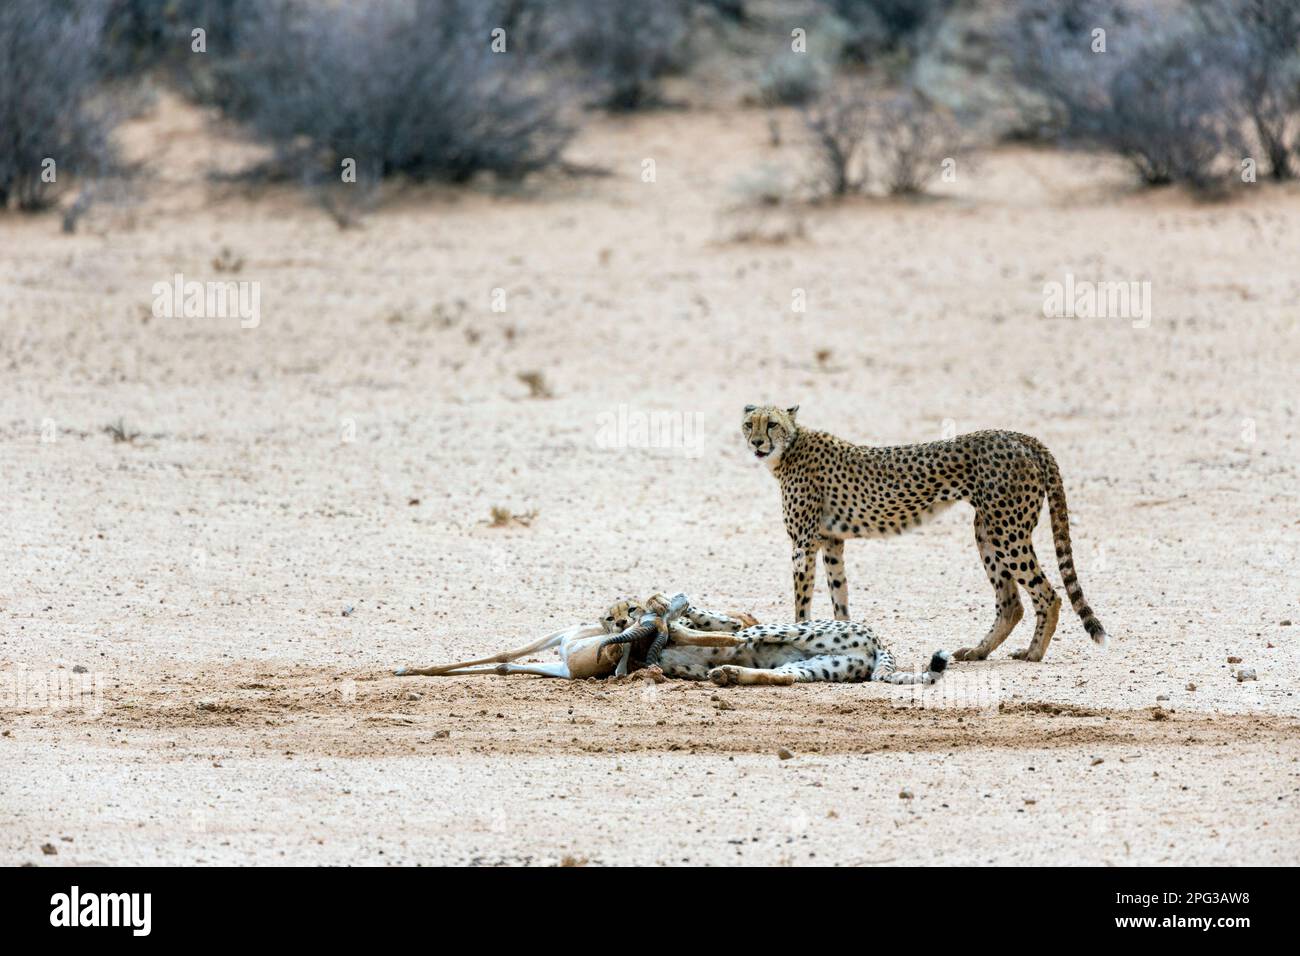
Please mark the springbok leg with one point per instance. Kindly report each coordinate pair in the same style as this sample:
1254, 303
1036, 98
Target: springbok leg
551, 640
554, 669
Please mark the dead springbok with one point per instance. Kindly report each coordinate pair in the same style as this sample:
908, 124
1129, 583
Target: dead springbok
598, 650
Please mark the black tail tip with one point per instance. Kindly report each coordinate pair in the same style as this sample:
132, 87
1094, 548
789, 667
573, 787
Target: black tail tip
939, 662
1095, 630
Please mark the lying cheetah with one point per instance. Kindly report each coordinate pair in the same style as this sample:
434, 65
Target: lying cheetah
833, 490
626, 611
835, 651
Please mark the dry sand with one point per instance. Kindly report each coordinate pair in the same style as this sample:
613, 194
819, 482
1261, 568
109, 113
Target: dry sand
347, 452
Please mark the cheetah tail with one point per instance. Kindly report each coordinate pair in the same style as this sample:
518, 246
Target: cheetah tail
1061, 538
884, 669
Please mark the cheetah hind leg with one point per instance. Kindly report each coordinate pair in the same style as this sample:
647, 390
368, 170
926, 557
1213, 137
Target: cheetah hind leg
1043, 631
831, 668
1047, 603
1010, 610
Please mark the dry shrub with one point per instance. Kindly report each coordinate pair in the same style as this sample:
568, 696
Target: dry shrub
837, 124
410, 89
622, 47
912, 138
793, 79
1258, 43
879, 27
50, 107
1161, 95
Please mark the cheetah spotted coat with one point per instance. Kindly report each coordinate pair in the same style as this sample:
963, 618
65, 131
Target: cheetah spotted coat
833, 490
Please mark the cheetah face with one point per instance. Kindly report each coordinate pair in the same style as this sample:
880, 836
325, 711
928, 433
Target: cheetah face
622, 615
768, 431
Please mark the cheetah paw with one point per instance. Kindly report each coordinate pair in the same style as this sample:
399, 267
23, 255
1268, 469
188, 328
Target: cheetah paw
1025, 655
725, 675
967, 654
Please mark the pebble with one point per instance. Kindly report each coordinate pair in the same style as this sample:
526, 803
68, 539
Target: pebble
905, 795
79, 669
1246, 673
49, 849
784, 754
1234, 660
1191, 686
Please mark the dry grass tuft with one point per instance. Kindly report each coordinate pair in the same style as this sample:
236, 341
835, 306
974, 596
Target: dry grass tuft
120, 432
505, 518
536, 382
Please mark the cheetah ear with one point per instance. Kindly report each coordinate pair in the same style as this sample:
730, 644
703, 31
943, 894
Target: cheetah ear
792, 410
750, 408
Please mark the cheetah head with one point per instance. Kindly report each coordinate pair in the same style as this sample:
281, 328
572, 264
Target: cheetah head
769, 431
622, 615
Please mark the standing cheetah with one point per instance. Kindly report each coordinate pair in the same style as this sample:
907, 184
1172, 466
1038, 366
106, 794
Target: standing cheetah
833, 490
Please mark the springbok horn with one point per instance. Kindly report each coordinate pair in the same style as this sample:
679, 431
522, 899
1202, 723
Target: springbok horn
676, 607
642, 628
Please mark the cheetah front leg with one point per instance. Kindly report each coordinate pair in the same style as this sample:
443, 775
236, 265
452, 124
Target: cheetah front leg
694, 663
804, 562
833, 561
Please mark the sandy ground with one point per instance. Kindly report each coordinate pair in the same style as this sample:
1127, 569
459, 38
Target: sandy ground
345, 455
